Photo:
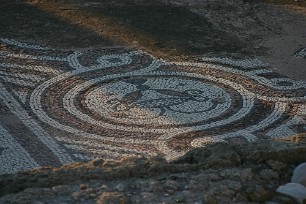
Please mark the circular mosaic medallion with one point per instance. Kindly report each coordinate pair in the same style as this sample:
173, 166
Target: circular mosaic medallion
158, 103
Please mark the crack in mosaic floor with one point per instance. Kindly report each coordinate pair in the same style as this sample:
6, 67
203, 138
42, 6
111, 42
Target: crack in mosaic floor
57, 107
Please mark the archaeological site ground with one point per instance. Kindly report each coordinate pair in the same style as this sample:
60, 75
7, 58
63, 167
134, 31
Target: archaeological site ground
197, 101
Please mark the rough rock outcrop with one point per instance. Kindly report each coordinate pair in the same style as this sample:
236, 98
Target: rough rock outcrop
214, 174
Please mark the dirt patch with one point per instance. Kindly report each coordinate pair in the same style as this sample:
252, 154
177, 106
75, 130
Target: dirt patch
27, 22
271, 30
175, 28
167, 30
283, 46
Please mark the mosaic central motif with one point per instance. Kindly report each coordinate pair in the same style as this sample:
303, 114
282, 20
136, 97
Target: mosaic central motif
58, 106
158, 101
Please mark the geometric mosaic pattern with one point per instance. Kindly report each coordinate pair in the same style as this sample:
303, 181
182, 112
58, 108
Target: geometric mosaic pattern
59, 106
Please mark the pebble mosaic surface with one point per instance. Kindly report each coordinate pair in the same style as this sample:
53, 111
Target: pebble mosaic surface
57, 107
301, 53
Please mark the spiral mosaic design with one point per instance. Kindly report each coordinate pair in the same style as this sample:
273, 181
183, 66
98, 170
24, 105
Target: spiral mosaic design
114, 102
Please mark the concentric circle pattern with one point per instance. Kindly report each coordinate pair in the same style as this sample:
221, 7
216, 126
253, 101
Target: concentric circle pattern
116, 102
157, 100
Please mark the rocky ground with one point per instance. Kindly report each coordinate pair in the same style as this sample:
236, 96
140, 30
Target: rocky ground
220, 173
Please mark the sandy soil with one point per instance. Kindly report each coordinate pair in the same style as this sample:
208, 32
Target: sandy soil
283, 46
271, 30
274, 29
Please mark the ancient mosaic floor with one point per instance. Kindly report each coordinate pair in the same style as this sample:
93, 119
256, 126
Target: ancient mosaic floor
58, 107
